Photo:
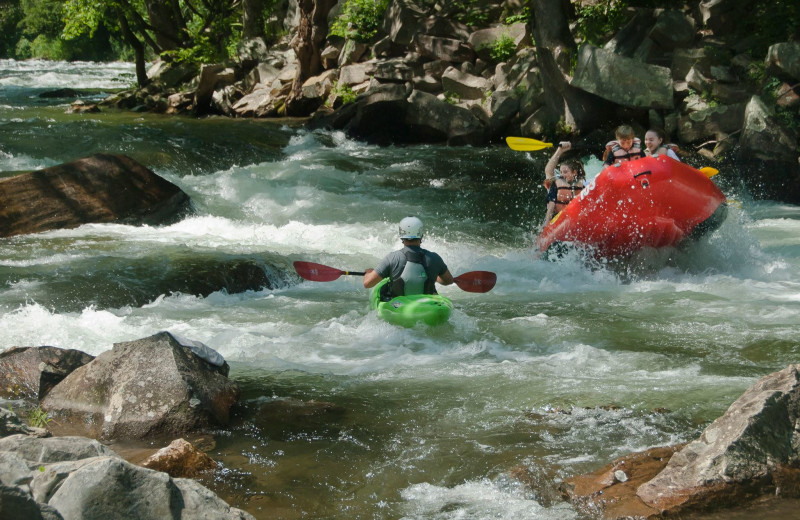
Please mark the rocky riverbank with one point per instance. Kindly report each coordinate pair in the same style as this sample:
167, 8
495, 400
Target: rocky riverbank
164, 386
427, 78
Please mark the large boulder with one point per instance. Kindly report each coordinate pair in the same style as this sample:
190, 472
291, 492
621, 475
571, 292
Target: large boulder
77, 478
783, 60
483, 40
440, 48
753, 449
430, 118
466, 86
624, 81
715, 122
763, 138
152, 386
401, 21
100, 188
30, 372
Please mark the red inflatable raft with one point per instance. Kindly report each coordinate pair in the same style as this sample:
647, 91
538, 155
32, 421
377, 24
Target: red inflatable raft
650, 202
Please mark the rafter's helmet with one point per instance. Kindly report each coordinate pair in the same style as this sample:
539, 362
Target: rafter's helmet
410, 228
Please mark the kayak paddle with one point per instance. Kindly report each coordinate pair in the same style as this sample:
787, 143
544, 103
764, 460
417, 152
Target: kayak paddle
476, 281
319, 272
472, 281
709, 171
524, 144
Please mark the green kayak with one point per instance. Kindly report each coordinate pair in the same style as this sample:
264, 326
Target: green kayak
431, 309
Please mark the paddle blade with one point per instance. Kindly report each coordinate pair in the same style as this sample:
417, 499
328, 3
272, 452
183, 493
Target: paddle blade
476, 281
524, 144
709, 171
317, 272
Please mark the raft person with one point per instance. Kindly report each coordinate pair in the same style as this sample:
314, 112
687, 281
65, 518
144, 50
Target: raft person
411, 270
654, 144
563, 182
626, 147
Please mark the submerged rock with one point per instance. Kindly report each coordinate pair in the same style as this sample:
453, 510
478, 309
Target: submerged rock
152, 386
100, 188
180, 459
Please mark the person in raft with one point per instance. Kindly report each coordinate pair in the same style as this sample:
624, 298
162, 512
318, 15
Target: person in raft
563, 182
654, 144
626, 147
411, 270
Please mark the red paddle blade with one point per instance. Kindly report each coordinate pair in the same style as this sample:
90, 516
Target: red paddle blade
476, 281
317, 272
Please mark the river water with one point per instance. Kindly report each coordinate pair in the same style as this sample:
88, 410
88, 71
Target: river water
561, 368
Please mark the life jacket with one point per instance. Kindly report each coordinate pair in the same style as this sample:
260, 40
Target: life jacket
566, 192
415, 278
620, 155
663, 149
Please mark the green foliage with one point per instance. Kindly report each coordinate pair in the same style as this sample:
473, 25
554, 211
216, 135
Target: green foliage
343, 92
452, 97
503, 49
767, 23
38, 418
523, 17
359, 19
596, 22
471, 12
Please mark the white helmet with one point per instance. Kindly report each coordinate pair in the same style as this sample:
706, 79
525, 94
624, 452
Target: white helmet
410, 228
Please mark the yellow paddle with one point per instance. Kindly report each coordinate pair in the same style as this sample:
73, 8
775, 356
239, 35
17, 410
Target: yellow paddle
709, 171
524, 144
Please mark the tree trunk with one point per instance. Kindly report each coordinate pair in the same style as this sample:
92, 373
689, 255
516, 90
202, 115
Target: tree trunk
138, 49
168, 25
252, 18
556, 51
311, 33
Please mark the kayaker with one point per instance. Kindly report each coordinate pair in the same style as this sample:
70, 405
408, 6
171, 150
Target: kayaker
563, 182
654, 144
626, 147
412, 270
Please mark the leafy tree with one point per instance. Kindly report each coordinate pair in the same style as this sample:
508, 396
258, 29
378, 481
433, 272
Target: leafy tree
10, 16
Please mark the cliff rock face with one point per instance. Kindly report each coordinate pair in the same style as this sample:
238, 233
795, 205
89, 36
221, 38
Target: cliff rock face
100, 188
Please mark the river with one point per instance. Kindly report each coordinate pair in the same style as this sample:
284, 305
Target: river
561, 368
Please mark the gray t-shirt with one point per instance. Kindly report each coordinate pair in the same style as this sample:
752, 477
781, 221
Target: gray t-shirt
393, 264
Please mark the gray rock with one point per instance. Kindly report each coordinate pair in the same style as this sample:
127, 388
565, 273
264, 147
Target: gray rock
622, 80
54, 449
715, 122
401, 21
10, 424
673, 29
393, 70
783, 60
352, 52
465, 85
754, 439
447, 49
483, 40
763, 137
30, 372
141, 388
430, 116
356, 73
17, 504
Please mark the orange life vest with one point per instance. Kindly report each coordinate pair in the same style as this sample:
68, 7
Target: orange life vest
621, 155
566, 192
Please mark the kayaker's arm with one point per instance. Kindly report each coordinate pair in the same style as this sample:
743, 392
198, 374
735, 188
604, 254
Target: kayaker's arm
371, 278
445, 278
550, 168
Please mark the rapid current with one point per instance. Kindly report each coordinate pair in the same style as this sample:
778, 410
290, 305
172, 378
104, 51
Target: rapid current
558, 370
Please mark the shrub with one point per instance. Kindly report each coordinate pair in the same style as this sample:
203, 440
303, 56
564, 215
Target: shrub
359, 19
503, 48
